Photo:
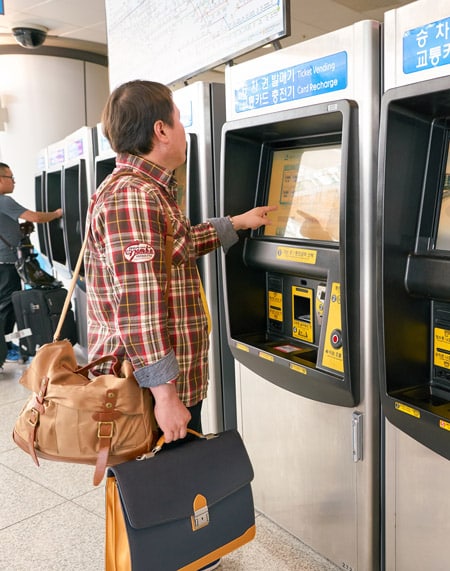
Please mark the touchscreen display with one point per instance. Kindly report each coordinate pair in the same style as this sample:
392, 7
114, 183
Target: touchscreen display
443, 231
305, 187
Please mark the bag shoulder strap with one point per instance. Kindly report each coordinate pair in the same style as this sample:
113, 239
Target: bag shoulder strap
76, 271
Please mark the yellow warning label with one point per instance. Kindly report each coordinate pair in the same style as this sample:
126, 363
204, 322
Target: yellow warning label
333, 352
242, 347
444, 424
302, 330
296, 255
442, 347
407, 409
275, 299
299, 369
442, 337
266, 356
302, 318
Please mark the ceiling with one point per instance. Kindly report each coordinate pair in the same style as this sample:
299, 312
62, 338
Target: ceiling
81, 24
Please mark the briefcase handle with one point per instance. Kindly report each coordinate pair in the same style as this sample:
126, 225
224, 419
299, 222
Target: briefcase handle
162, 441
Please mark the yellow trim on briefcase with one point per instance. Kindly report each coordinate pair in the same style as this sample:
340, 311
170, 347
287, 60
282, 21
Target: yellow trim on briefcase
117, 549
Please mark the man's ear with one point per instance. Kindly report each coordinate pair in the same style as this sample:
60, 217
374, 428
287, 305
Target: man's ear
159, 128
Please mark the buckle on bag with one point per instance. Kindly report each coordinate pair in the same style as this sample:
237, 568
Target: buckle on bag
34, 421
200, 518
100, 426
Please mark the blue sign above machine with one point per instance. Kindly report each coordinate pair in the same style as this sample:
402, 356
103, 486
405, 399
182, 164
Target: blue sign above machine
427, 46
308, 79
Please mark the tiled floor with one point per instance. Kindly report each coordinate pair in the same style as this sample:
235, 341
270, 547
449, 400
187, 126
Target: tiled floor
52, 517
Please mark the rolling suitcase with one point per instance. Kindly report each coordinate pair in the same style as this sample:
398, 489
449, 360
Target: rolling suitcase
38, 311
3, 346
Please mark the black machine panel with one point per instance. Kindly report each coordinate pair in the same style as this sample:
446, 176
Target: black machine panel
55, 227
75, 201
291, 286
42, 229
415, 313
103, 167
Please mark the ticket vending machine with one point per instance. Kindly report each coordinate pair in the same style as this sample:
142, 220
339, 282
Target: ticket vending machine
53, 201
78, 185
301, 134
202, 111
39, 197
414, 316
105, 157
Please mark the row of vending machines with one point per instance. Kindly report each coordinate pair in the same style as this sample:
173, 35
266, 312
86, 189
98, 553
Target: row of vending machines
67, 173
330, 348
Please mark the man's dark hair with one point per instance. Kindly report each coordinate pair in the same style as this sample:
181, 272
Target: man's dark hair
130, 113
3, 167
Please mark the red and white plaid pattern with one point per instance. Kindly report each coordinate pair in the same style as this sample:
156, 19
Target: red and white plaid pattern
127, 314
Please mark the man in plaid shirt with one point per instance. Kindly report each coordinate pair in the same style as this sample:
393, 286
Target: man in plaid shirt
126, 273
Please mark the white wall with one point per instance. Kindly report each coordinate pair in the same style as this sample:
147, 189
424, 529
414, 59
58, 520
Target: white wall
42, 100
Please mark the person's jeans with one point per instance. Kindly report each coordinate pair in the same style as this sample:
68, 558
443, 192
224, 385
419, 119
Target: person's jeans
9, 283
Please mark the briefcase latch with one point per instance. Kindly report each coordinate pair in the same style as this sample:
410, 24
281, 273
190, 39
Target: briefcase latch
201, 513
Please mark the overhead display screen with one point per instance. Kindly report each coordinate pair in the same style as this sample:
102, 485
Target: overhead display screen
305, 187
173, 40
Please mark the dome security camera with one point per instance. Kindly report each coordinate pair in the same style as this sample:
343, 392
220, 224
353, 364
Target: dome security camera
30, 36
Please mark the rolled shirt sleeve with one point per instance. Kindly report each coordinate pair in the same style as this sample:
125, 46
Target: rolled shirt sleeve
227, 234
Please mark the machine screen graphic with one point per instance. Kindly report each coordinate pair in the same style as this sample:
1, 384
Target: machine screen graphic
305, 187
443, 233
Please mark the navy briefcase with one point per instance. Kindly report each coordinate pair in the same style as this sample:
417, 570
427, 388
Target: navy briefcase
180, 508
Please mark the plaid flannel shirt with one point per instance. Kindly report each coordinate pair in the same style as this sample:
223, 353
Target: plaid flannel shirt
126, 280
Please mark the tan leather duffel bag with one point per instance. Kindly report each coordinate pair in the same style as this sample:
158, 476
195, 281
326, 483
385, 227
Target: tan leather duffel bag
70, 417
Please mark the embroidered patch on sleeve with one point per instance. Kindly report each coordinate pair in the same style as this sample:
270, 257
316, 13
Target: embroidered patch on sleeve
139, 252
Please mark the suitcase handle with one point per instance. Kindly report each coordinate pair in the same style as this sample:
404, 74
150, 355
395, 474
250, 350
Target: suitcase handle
161, 442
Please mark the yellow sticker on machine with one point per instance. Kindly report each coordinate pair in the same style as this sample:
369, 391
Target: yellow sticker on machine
302, 316
407, 409
266, 356
444, 424
275, 299
298, 369
291, 254
442, 347
242, 347
333, 353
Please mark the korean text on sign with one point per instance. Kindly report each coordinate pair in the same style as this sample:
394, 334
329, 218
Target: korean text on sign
427, 46
316, 77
